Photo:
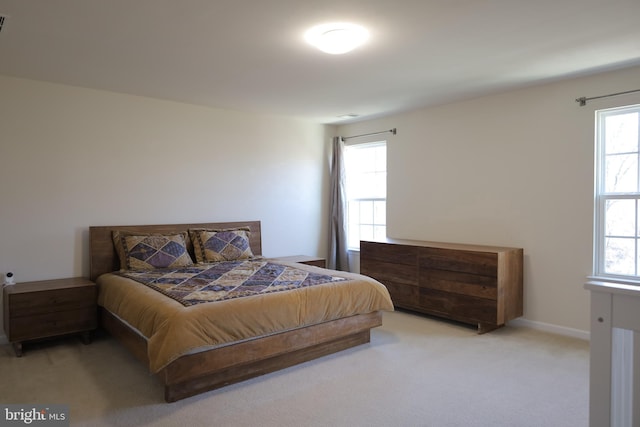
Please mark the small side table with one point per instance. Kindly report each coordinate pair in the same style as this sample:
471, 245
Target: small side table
49, 308
304, 259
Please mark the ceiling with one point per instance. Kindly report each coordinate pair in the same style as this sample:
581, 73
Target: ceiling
250, 55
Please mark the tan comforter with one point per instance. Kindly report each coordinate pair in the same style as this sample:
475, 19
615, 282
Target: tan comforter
173, 330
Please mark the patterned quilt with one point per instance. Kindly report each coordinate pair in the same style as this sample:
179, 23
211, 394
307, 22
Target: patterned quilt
226, 280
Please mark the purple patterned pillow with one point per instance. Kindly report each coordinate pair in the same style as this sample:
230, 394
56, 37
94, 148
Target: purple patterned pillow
151, 251
221, 245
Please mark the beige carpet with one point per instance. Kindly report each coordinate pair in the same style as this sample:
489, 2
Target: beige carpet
416, 371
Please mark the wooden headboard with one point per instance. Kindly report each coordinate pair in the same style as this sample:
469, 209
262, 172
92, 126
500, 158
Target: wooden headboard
103, 257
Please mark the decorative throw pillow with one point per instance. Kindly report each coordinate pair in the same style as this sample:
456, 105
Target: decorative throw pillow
221, 245
149, 251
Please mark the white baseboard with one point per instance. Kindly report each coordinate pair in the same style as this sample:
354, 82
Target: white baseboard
548, 327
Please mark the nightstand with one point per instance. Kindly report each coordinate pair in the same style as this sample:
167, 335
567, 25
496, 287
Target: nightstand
304, 259
49, 308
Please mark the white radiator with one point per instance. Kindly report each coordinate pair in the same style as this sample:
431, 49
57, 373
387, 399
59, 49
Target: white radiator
614, 390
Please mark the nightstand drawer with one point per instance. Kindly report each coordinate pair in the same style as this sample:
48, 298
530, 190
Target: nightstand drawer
303, 259
51, 324
34, 303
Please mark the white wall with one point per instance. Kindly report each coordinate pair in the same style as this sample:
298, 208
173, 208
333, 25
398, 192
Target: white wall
511, 169
514, 169
72, 157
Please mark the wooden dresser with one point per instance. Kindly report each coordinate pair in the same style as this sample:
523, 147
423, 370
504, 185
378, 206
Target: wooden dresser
34, 310
478, 285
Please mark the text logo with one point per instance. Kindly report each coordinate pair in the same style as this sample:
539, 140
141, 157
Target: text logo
34, 415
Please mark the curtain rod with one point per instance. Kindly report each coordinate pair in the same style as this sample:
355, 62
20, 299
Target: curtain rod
583, 100
393, 131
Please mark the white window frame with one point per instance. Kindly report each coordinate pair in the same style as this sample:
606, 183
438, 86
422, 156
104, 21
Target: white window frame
602, 197
350, 245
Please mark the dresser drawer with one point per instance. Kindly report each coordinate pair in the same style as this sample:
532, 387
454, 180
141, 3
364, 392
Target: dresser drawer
403, 295
478, 263
34, 303
459, 307
395, 254
389, 272
51, 324
460, 283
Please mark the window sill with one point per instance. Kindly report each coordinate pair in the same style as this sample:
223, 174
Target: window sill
611, 279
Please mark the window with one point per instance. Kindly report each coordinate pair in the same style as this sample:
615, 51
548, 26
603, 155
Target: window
366, 184
617, 245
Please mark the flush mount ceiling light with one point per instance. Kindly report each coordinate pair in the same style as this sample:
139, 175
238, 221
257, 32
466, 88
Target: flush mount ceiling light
337, 38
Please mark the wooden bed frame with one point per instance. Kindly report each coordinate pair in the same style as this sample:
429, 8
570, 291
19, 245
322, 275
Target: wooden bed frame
207, 370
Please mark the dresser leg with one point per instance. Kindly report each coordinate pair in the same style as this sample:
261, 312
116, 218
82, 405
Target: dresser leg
17, 348
86, 337
483, 328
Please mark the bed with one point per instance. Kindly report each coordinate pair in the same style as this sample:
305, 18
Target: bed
197, 331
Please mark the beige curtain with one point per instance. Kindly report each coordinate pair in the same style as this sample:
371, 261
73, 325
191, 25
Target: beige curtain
338, 258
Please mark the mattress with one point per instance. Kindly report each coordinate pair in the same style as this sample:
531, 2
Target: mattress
178, 321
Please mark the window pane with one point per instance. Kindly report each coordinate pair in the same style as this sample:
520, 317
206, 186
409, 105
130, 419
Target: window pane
368, 185
355, 208
366, 160
365, 188
353, 211
379, 185
366, 232
366, 212
379, 232
620, 218
637, 255
353, 240
621, 133
621, 173
619, 256
381, 158
380, 212
353, 217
